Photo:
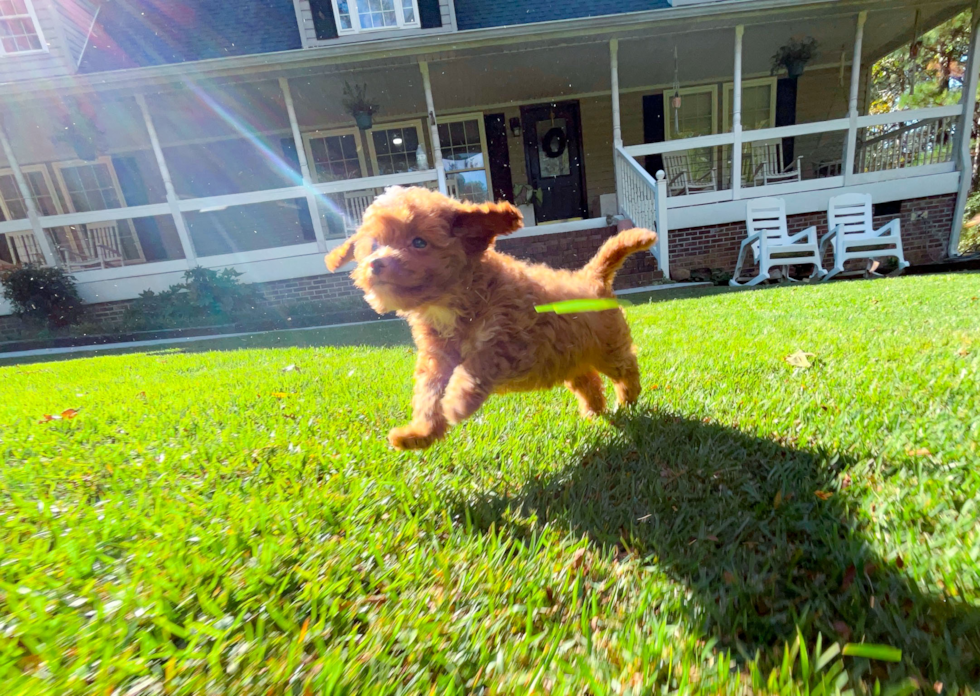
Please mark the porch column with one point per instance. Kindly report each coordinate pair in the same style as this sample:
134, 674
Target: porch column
168, 184
50, 257
614, 78
433, 128
304, 166
737, 116
851, 151
965, 129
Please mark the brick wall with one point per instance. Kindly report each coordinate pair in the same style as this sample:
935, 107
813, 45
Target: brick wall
925, 240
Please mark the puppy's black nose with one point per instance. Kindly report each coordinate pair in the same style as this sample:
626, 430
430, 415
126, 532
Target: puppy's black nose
377, 265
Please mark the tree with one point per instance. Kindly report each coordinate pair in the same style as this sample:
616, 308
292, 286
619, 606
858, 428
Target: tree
927, 73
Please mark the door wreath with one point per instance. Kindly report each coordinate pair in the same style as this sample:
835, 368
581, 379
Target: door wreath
554, 142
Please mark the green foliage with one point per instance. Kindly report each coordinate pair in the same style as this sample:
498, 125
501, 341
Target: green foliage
228, 518
206, 297
356, 100
795, 51
42, 296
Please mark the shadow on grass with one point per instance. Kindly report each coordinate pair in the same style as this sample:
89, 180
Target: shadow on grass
739, 521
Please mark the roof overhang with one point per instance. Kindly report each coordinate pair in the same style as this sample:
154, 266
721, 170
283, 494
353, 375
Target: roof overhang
400, 50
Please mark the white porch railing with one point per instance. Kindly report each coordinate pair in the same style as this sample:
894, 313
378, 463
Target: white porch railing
643, 200
912, 143
21, 229
903, 144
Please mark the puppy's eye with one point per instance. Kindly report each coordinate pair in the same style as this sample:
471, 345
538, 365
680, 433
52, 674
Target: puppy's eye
419, 243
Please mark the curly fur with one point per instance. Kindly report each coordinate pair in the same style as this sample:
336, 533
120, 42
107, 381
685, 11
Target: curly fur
471, 309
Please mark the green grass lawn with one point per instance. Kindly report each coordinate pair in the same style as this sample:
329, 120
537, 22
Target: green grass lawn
213, 523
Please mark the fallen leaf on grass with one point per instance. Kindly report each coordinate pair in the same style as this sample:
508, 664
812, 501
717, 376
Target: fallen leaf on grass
922, 452
849, 574
899, 562
282, 395
728, 577
67, 414
290, 368
873, 652
577, 558
843, 630
938, 687
778, 500
823, 495
800, 359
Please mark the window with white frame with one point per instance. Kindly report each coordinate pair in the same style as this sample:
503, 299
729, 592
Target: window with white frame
758, 104
19, 28
397, 148
335, 155
463, 142
355, 16
12, 203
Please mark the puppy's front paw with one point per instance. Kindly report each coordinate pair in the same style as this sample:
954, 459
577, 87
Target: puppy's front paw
411, 437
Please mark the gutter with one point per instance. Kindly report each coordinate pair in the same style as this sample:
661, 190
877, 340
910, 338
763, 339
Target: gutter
410, 47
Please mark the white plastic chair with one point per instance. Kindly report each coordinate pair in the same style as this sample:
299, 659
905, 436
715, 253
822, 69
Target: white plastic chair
852, 231
772, 244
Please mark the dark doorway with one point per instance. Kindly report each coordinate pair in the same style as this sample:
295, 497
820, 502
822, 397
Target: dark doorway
553, 152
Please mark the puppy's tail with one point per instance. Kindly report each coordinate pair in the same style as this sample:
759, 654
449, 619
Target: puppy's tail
614, 252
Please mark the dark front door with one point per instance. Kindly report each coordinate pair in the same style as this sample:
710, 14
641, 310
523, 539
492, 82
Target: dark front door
553, 152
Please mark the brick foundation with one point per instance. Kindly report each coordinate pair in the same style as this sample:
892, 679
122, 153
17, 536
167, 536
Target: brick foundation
925, 240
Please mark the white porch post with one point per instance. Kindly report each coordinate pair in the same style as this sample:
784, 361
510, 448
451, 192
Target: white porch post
433, 128
304, 165
614, 78
737, 116
965, 129
168, 184
851, 152
50, 257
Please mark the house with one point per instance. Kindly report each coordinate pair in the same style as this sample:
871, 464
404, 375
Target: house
144, 137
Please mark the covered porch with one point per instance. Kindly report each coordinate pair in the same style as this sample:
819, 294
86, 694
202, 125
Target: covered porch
127, 181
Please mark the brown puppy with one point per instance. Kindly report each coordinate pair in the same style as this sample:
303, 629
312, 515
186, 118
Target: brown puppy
431, 259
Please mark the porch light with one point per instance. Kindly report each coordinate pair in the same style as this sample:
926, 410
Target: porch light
515, 127
397, 140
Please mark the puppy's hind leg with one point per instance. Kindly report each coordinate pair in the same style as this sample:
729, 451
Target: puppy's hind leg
590, 393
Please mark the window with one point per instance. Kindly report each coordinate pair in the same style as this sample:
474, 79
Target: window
370, 15
397, 148
463, 142
696, 115
335, 156
12, 203
19, 29
89, 186
758, 104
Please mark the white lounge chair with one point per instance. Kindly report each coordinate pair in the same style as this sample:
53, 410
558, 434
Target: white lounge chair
772, 244
854, 237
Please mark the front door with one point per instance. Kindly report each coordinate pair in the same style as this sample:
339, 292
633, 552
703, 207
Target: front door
553, 153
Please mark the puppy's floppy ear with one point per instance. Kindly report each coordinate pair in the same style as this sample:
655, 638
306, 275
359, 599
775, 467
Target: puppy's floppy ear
476, 226
341, 255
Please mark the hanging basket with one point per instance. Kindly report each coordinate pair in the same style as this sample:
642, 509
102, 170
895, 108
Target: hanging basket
795, 68
363, 119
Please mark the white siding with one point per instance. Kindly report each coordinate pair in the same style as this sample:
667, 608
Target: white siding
308, 30
76, 20
33, 66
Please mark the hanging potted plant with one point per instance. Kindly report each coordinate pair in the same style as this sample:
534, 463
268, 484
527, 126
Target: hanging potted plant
525, 196
357, 104
794, 56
